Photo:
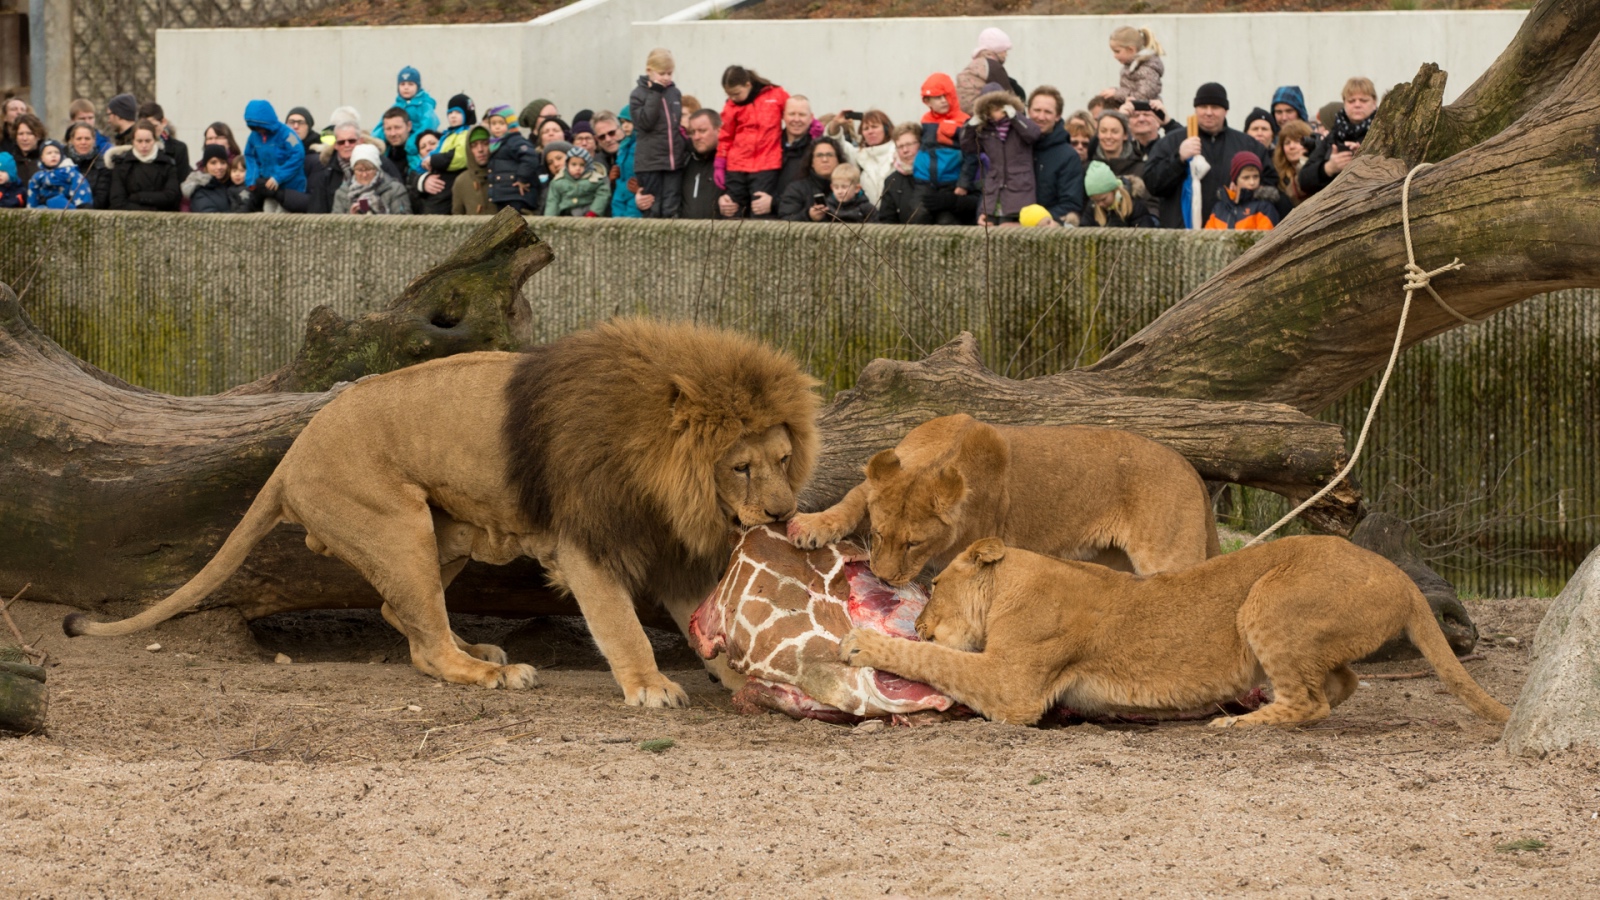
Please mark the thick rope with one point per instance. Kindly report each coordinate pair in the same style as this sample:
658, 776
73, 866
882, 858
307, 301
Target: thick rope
1416, 279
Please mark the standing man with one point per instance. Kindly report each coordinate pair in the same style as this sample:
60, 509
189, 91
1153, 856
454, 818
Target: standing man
400, 147
702, 199
1167, 173
1057, 170
797, 138
121, 112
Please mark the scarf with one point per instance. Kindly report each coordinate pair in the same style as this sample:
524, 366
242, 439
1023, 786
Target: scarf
156, 148
369, 192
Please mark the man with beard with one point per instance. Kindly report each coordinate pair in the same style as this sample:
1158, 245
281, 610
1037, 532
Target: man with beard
1058, 172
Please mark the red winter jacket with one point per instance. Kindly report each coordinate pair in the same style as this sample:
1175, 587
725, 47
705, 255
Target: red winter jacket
751, 139
940, 85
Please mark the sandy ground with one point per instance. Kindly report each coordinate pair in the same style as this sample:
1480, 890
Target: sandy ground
204, 769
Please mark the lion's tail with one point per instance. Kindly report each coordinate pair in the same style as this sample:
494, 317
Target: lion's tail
1423, 630
263, 515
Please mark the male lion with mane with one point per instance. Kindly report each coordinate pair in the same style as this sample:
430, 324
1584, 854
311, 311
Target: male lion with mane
619, 457
1015, 633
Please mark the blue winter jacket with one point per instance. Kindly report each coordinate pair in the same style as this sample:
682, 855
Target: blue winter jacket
60, 188
622, 202
420, 108
279, 155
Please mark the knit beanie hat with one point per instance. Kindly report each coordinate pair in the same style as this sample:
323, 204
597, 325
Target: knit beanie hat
582, 126
365, 153
994, 40
303, 113
8, 165
124, 106
553, 146
625, 114
1242, 160
344, 115
584, 115
60, 148
1211, 94
503, 110
1099, 179
410, 73
530, 113
580, 153
1259, 113
213, 151
469, 113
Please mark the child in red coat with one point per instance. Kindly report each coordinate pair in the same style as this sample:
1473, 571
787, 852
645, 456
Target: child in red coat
750, 144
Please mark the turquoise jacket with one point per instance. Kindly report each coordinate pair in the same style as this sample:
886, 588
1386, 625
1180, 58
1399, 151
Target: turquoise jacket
622, 205
421, 110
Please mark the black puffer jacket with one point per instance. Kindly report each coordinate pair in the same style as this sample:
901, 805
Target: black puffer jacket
1165, 172
515, 160
797, 200
151, 186
898, 202
1058, 173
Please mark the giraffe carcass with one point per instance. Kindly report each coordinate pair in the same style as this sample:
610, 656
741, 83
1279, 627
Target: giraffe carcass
779, 614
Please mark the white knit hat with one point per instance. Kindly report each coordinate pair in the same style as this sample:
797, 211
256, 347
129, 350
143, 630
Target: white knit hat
366, 153
994, 40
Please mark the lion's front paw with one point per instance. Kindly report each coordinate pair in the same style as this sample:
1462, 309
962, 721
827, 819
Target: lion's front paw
517, 677
489, 653
851, 649
1227, 722
656, 692
809, 531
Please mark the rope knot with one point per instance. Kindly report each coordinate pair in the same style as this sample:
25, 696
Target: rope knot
1418, 280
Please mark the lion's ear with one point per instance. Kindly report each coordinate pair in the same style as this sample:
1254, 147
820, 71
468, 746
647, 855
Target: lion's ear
949, 489
883, 466
986, 551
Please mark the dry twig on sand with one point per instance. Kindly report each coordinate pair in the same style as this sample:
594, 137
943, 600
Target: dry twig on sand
38, 656
1426, 673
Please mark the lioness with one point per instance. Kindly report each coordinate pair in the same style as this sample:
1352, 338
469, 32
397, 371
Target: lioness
1071, 492
1015, 633
620, 457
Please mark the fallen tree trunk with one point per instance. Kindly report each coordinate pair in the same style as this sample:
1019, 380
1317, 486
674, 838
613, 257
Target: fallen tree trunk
23, 697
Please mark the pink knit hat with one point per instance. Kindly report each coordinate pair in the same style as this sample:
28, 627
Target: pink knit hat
994, 40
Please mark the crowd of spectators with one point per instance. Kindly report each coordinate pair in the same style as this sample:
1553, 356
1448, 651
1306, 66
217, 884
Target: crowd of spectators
983, 151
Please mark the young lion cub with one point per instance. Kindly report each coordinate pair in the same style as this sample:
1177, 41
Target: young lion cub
1016, 632
1070, 492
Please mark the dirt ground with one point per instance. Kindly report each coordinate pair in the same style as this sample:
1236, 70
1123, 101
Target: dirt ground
205, 768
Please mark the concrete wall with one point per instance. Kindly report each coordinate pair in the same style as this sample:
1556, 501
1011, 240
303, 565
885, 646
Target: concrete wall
882, 62
589, 53
209, 74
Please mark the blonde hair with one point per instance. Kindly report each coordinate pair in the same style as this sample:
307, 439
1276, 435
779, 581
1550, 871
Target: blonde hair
1123, 205
846, 172
1359, 85
659, 60
904, 128
1137, 39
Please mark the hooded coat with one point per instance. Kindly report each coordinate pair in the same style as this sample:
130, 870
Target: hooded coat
1007, 146
1141, 77
420, 109
1291, 95
659, 144
513, 160
14, 193
984, 69
62, 187
751, 138
1058, 173
152, 186
278, 155
588, 195
207, 194
470, 193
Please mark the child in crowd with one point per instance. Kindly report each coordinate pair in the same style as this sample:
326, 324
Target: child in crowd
750, 142
943, 197
470, 194
580, 190
660, 148
238, 190
417, 103
848, 202
1140, 55
1238, 208
206, 188
1005, 136
1111, 201
513, 164
13, 193
58, 184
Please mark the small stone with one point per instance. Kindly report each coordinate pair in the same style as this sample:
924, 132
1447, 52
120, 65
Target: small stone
154, 648
869, 726
282, 659
1510, 642
412, 707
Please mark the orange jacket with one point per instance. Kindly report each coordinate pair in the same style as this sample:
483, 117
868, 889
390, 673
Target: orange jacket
940, 85
1252, 215
751, 139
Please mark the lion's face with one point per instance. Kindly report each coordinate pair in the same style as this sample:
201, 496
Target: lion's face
957, 613
753, 486
915, 516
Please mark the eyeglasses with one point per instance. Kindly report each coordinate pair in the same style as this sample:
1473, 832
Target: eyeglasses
607, 135
347, 142
1081, 142
294, 120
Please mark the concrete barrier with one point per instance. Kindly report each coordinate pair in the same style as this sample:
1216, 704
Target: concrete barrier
588, 54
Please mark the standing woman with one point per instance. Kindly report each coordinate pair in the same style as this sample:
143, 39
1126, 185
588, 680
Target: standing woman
750, 143
1288, 155
220, 134
872, 152
27, 134
143, 177
14, 109
1114, 148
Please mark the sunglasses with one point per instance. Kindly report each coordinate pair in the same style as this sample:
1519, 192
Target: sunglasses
606, 135
1079, 143
347, 142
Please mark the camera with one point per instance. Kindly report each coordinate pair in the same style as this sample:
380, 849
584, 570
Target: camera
853, 115
1309, 143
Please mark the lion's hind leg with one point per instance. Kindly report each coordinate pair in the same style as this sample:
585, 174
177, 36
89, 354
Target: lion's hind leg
1340, 684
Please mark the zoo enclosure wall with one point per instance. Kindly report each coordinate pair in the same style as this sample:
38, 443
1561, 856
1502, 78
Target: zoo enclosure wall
1484, 442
